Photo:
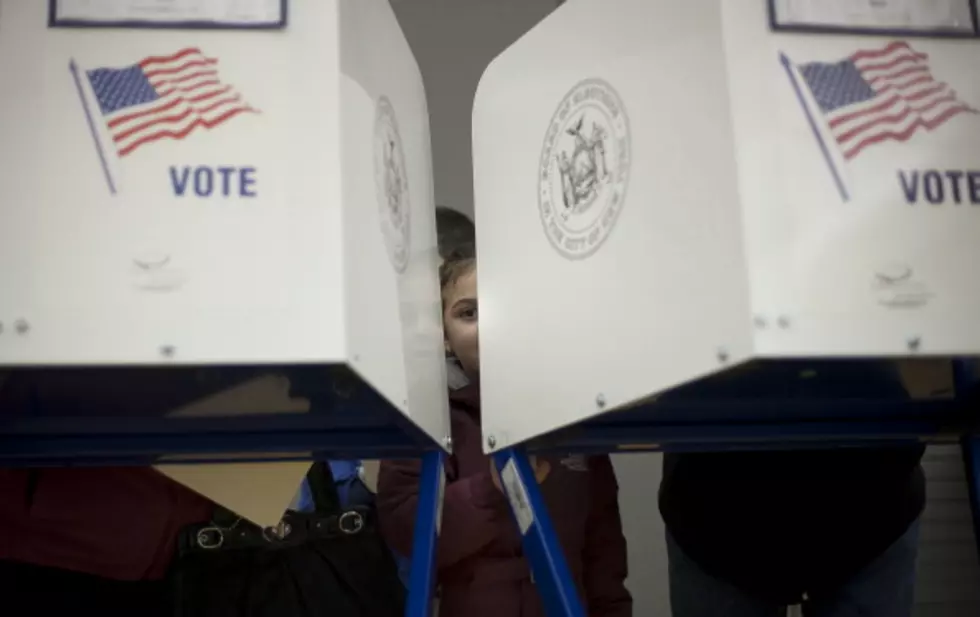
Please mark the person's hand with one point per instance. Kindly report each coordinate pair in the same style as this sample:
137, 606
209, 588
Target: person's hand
541, 471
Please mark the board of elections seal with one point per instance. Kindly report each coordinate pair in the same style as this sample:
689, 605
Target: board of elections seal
584, 169
391, 179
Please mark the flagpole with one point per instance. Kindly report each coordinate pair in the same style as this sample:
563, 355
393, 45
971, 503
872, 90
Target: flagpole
91, 126
788, 65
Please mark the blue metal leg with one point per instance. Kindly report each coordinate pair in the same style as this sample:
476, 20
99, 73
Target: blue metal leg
551, 574
422, 579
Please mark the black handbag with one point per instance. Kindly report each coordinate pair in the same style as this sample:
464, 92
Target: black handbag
328, 563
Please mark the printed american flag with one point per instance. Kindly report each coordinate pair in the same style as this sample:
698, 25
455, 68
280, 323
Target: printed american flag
163, 97
879, 95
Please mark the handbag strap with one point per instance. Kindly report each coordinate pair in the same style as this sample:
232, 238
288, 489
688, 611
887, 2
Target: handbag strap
323, 488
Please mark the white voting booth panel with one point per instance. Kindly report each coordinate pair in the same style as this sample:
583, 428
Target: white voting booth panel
220, 196
861, 205
664, 190
639, 283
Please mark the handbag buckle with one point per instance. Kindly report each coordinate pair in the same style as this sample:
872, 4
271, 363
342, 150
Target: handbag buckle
350, 523
278, 533
210, 538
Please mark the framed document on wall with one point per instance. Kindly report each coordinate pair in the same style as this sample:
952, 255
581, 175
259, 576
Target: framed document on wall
929, 18
178, 14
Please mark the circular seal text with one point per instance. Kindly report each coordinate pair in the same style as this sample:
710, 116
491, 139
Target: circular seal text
584, 169
391, 181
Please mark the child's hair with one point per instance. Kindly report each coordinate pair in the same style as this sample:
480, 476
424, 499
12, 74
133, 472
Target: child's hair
454, 231
457, 264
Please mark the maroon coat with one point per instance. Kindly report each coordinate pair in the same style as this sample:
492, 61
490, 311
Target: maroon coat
481, 568
118, 523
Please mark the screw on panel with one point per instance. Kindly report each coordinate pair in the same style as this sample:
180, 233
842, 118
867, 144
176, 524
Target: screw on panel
22, 327
914, 343
342, 383
168, 351
600, 400
783, 322
760, 322
722, 355
492, 441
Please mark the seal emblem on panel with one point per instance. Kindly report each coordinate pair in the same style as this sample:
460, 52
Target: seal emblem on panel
391, 178
584, 169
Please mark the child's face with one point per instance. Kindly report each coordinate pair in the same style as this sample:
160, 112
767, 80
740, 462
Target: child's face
460, 319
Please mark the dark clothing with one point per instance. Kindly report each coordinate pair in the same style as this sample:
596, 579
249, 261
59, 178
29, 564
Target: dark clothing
116, 523
781, 524
481, 568
328, 562
884, 588
36, 591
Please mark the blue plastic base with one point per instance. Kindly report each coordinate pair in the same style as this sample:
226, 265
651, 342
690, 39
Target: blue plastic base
118, 416
779, 405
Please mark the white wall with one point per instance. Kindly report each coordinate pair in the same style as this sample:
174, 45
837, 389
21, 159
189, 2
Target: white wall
453, 41
948, 582
639, 479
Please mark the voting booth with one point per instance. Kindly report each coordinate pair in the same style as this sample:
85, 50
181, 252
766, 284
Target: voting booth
697, 185
217, 235
738, 225
220, 196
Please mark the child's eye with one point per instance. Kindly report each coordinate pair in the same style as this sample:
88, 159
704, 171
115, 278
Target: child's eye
469, 313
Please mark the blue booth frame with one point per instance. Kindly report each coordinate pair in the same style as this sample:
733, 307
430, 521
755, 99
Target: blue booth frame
769, 405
